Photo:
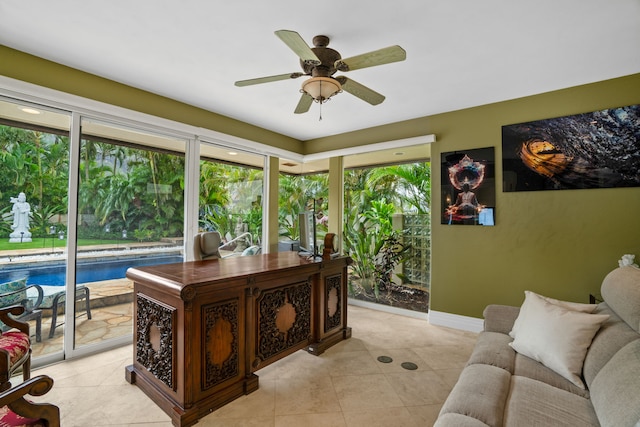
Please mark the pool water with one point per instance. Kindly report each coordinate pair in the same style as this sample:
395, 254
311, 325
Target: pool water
86, 272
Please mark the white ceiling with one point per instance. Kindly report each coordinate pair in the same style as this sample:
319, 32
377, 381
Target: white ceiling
460, 53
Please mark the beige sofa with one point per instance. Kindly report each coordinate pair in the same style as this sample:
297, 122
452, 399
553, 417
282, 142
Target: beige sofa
501, 387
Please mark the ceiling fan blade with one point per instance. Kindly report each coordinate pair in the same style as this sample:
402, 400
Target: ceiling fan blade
304, 104
268, 79
371, 59
297, 44
360, 91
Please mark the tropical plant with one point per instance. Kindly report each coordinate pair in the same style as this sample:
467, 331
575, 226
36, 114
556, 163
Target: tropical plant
365, 239
41, 219
392, 253
296, 195
372, 196
412, 184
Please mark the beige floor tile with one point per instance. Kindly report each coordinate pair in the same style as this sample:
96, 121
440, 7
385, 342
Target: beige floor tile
83, 406
333, 419
306, 396
344, 387
425, 415
162, 424
449, 376
445, 356
419, 387
352, 344
381, 417
300, 364
261, 403
358, 392
352, 363
237, 422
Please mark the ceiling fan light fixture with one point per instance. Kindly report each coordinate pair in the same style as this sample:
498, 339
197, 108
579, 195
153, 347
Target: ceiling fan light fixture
321, 88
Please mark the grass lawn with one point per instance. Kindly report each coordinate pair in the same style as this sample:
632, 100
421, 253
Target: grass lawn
40, 242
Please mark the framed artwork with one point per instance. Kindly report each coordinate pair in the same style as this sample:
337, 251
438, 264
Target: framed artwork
468, 187
592, 150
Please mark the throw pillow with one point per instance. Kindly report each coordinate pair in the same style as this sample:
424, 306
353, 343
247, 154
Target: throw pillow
575, 306
556, 336
12, 286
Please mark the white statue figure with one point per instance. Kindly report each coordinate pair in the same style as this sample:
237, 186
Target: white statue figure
20, 227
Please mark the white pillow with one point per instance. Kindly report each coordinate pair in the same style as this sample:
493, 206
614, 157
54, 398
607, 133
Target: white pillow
574, 306
556, 336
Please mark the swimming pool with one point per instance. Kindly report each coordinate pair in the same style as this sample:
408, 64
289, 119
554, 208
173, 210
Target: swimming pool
86, 272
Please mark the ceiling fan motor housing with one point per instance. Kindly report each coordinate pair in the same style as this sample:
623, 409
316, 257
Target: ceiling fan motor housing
327, 57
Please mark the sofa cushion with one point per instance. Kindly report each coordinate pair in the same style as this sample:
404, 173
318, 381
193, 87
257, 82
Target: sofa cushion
614, 334
615, 391
492, 348
527, 367
534, 403
500, 318
621, 291
555, 336
480, 393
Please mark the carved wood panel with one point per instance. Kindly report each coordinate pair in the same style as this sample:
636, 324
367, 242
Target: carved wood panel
154, 341
333, 313
221, 359
284, 319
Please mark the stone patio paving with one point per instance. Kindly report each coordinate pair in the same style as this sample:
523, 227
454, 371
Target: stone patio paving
111, 316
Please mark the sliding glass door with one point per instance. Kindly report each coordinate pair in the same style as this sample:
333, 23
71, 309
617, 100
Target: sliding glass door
130, 213
231, 187
34, 158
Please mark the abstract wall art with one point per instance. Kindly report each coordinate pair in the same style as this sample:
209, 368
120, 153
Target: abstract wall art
600, 149
468, 187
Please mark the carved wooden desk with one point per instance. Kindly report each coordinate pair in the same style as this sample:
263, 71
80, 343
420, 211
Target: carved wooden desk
203, 328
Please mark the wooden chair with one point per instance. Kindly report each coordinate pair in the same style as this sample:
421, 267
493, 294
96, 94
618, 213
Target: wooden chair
16, 410
15, 346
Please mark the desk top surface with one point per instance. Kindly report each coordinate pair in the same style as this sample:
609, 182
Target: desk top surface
179, 275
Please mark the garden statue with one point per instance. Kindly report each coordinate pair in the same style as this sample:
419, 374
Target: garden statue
20, 227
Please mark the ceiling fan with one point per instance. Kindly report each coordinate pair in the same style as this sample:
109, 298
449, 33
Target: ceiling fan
321, 63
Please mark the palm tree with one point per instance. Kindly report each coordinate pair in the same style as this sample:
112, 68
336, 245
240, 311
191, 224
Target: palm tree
412, 184
296, 195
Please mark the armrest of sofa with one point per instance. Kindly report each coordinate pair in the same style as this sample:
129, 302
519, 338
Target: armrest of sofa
500, 318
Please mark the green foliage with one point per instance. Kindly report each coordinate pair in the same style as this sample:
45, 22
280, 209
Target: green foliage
41, 220
365, 238
230, 199
296, 194
372, 197
142, 191
392, 253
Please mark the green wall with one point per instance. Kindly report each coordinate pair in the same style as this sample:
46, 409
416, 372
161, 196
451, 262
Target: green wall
21, 66
559, 243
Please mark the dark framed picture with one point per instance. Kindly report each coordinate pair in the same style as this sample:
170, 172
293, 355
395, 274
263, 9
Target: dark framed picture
468, 187
592, 150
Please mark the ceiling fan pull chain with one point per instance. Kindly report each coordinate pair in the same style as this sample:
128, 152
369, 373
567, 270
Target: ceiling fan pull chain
320, 119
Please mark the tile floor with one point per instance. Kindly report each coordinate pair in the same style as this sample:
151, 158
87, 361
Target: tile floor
345, 386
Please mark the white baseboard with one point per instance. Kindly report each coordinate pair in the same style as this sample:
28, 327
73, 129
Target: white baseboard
456, 321
388, 309
437, 318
